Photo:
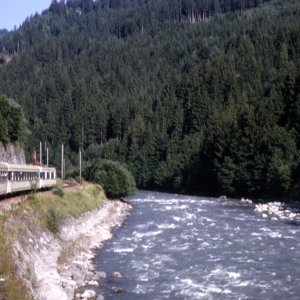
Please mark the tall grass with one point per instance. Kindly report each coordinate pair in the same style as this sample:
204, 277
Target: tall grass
53, 209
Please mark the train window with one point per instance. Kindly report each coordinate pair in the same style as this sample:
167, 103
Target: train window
3, 176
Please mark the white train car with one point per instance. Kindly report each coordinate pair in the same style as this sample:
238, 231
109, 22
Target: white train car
47, 177
17, 178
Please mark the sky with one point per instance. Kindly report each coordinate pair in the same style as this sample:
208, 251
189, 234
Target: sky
14, 12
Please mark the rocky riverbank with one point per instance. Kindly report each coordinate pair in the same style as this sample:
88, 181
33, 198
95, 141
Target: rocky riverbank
286, 211
81, 238
279, 211
54, 265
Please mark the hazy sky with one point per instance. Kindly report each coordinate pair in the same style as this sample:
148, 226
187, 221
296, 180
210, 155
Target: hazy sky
14, 12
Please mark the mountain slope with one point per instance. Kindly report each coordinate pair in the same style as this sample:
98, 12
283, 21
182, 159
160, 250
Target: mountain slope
195, 95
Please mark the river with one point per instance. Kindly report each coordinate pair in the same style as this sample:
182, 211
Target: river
184, 247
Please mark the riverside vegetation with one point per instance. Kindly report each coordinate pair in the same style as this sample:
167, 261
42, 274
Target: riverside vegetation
116, 180
49, 211
193, 95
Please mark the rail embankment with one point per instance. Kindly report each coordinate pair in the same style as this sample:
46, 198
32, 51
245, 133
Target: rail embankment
47, 243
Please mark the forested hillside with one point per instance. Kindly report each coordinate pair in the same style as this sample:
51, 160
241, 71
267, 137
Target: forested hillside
12, 123
194, 95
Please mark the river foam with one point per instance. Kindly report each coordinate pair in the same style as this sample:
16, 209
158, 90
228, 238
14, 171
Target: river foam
201, 248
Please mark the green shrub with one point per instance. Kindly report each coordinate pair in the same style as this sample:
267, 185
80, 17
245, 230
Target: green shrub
58, 191
32, 198
54, 219
115, 178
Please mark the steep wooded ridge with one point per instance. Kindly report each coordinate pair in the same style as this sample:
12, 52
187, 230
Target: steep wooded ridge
195, 95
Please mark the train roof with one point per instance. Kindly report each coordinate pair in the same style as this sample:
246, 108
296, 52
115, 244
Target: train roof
47, 168
4, 166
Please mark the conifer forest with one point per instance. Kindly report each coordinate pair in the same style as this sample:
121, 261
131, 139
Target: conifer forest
195, 96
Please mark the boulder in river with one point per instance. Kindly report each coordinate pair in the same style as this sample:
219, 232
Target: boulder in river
88, 294
119, 291
116, 275
93, 283
99, 275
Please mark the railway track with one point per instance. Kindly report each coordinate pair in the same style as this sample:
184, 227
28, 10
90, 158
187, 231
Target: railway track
6, 203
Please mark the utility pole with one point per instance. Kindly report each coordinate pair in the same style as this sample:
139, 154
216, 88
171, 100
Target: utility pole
47, 156
34, 157
64, 169
62, 162
79, 165
41, 157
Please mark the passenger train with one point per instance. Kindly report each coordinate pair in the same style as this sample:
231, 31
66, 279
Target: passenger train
18, 178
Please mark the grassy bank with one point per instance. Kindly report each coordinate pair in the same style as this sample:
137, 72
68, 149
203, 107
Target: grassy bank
47, 210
